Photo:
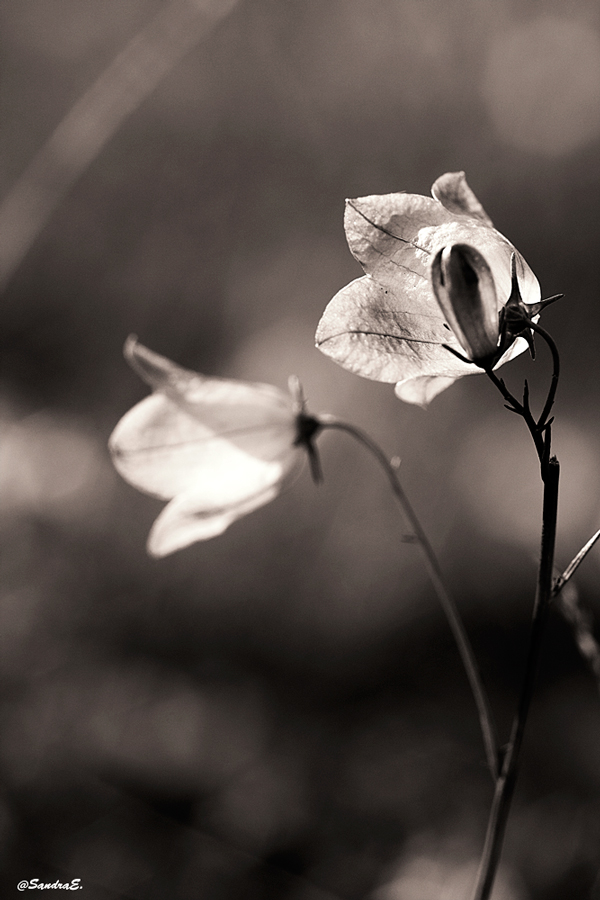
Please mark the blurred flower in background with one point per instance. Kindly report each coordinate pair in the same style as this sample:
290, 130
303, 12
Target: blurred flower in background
216, 448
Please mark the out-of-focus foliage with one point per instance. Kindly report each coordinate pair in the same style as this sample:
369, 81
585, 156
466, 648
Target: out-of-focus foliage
281, 712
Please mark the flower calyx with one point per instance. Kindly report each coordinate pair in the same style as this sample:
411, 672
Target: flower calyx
516, 317
307, 428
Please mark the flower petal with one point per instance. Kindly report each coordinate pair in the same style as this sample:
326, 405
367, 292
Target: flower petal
220, 498
223, 405
162, 450
396, 236
453, 192
193, 425
422, 390
376, 333
383, 234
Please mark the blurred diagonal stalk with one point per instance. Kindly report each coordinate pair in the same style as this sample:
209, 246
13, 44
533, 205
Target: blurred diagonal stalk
566, 576
91, 122
579, 618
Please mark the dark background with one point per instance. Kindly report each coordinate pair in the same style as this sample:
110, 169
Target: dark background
281, 712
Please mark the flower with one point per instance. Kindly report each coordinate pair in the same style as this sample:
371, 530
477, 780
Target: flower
388, 325
217, 449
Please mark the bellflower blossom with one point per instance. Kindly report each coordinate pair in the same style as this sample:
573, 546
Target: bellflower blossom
388, 324
216, 448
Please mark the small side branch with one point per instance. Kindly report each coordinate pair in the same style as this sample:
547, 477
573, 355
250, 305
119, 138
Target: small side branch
562, 580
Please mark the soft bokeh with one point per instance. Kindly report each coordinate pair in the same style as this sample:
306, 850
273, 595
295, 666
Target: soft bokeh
281, 712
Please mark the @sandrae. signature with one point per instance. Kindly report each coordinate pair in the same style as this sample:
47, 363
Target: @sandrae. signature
37, 884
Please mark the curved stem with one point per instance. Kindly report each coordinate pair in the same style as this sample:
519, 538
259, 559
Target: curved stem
506, 782
437, 579
543, 419
539, 429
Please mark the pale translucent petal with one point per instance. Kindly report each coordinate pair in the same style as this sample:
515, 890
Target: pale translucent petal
453, 192
161, 449
422, 390
217, 500
215, 447
379, 334
221, 404
382, 231
396, 236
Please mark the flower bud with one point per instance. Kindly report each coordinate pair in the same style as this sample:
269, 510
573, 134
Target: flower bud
464, 288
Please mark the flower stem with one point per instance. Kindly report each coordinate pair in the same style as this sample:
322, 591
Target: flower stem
543, 419
506, 782
437, 579
522, 409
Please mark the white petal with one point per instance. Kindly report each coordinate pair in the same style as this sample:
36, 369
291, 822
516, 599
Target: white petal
388, 335
396, 236
214, 504
161, 449
422, 390
383, 234
455, 195
221, 404
388, 325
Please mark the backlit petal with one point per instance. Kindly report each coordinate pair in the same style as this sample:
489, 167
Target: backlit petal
162, 450
453, 192
379, 333
216, 448
226, 407
218, 500
422, 390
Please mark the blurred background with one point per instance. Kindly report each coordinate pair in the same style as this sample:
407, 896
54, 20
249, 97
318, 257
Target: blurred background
281, 712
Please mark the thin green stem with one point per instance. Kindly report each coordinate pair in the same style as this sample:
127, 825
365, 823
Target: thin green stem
437, 579
506, 782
